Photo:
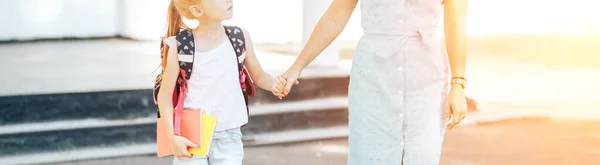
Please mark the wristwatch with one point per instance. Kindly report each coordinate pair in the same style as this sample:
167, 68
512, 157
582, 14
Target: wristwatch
460, 81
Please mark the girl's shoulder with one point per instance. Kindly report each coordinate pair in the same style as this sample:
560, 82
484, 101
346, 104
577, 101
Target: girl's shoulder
170, 41
237, 30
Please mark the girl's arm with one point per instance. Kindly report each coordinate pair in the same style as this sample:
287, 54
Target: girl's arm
261, 78
165, 105
165, 94
455, 32
328, 28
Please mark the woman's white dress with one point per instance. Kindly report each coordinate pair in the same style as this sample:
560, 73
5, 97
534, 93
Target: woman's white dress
398, 85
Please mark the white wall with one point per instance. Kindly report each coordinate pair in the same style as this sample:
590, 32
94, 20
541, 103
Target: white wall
39, 19
280, 21
32, 19
143, 19
275, 21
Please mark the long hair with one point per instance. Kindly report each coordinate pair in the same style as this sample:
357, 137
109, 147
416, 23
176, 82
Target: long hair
177, 9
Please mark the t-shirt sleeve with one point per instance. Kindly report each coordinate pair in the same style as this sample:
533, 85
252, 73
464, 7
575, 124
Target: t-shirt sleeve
171, 42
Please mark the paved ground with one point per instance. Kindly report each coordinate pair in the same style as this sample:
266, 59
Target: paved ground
533, 141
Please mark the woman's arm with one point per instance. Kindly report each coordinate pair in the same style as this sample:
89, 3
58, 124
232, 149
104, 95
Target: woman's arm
328, 28
455, 32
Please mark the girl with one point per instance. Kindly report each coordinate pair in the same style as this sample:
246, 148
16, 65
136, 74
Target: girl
399, 80
214, 85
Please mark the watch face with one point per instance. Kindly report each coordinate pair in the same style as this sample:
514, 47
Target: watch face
462, 82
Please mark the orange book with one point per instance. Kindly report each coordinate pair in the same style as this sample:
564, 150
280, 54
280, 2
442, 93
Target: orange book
191, 129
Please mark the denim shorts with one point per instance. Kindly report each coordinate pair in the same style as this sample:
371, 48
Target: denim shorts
226, 149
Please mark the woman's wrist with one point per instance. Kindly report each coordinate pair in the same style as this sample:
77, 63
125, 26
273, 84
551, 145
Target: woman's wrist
296, 68
456, 87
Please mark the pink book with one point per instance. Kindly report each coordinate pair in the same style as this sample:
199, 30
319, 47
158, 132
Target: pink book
187, 124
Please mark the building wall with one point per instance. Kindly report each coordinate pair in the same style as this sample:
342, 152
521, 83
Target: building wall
34, 19
275, 21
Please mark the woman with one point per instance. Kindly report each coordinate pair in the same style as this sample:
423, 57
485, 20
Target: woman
399, 103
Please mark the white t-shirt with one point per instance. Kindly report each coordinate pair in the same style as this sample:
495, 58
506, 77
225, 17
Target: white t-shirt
214, 85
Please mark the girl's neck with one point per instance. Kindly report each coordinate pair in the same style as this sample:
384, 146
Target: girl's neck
207, 28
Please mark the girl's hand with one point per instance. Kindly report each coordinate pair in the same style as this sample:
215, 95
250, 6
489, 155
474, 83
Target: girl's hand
279, 86
179, 145
456, 106
291, 75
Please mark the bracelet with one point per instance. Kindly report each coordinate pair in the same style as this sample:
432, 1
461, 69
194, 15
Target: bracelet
460, 81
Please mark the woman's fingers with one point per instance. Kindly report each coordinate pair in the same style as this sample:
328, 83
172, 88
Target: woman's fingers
458, 114
447, 110
460, 110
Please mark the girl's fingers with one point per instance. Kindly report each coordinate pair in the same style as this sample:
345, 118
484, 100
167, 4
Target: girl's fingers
277, 92
274, 89
278, 86
281, 81
188, 155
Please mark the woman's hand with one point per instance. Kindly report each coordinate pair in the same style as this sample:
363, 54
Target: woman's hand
456, 106
179, 145
291, 75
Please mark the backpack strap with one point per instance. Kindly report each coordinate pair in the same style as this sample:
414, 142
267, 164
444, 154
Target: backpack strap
238, 41
185, 51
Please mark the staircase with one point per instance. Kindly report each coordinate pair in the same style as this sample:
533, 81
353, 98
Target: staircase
89, 125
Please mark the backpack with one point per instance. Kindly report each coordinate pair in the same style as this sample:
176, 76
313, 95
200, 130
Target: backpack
186, 48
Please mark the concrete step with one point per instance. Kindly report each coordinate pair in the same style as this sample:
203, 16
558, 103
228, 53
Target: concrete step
53, 136
149, 148
300, 135
127, 104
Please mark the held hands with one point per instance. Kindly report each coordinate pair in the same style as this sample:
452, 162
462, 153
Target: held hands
281, 87
455, 106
